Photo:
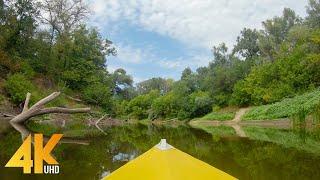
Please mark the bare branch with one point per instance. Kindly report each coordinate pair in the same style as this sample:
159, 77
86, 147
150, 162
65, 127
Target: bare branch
98, 127
38, 109
45, 100
101, 119
6, 115
26, 102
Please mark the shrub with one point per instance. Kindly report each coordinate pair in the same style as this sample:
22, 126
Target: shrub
202, 103
119, 108
166, 106
98, 94
26, 69
182, 115
286, 108
140, 106
17, 86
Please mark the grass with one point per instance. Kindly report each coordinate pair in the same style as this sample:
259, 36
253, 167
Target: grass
223, 114
286, 108
219, 116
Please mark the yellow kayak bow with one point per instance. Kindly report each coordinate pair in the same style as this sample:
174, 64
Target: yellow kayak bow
164, 162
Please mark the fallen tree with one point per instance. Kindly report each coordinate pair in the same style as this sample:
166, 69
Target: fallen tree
39, 109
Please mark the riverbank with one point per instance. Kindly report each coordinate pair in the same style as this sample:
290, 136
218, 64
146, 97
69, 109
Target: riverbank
301, 105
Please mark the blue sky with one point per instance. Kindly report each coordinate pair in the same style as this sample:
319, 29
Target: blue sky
159, 38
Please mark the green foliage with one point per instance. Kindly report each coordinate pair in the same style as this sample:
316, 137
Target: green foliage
98, 94
26, 69
139, 106
201, 103
247, 44
122, 83
275, 32
119, 108
166, 106
2, 98
17, 86
82, 58
316, 115
296, 70
18, 23
313, 10
160, 84
174, 105
74, 56
219, 116
265, 66
286, 108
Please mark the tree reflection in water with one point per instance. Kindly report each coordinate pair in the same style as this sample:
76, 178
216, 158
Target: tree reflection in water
266, 153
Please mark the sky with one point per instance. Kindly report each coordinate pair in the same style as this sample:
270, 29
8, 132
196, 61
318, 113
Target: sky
160, 38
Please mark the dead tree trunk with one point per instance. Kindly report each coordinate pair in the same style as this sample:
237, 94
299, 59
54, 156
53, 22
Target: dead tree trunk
39, 109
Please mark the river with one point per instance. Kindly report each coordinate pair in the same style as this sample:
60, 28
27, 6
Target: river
265, 153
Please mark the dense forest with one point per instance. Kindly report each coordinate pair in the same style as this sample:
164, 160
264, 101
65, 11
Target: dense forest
46, 46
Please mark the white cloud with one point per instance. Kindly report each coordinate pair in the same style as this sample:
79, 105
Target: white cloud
132, 55
199, 23
129, 54
192, 61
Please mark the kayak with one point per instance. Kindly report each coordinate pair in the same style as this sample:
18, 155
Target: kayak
164, 162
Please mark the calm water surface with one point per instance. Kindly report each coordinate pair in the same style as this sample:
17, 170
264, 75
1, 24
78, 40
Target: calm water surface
264, 154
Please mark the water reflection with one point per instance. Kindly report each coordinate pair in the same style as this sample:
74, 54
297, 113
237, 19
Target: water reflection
265, 153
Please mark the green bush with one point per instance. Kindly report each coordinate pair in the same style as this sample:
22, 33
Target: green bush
98, 94
173, 105
26, 69
286, 108
295, 70
140, 106
17, 86
183, 114
166, 106
201, 103
119, 108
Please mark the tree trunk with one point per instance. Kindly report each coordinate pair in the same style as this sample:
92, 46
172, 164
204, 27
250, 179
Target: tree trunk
38, 109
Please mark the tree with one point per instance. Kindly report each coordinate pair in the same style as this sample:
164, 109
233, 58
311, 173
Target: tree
140, 106
275, 31
220, 54
313, 11
186, 73
201, 103
82, 59
18, 23
122, 83
63, 16
247, 44
98, 94
160, 84
296, 70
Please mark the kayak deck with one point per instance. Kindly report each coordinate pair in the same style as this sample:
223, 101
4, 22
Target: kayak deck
166, 162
